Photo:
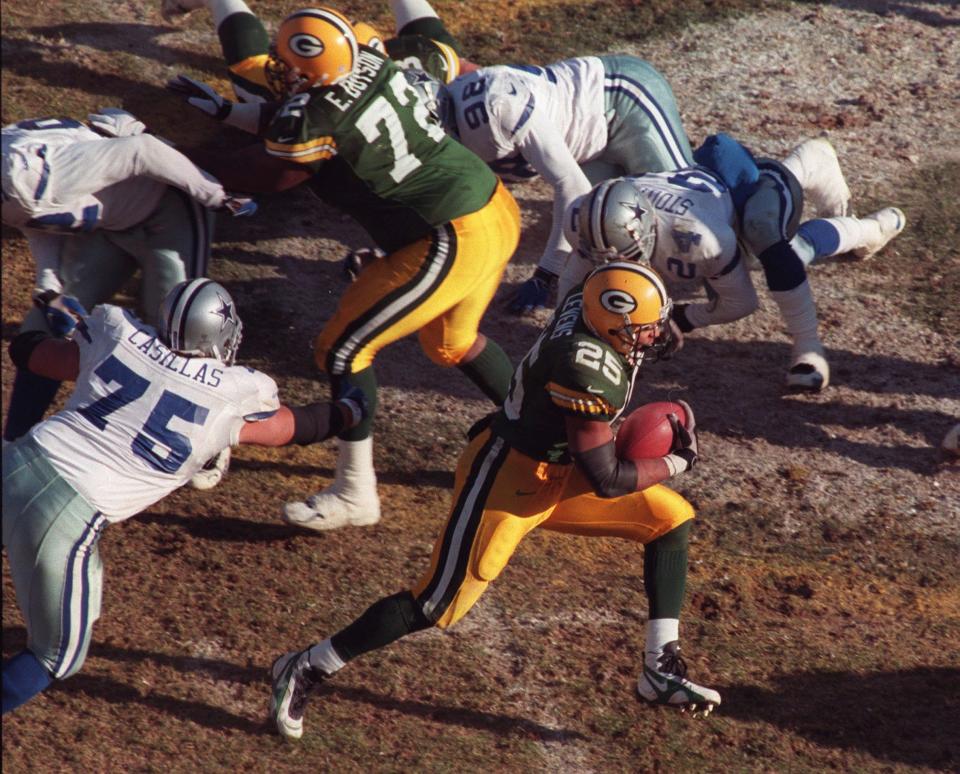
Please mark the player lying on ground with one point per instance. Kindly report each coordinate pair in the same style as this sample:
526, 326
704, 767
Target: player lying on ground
96, 204
547, 459
355, 131
688, 226
148, 409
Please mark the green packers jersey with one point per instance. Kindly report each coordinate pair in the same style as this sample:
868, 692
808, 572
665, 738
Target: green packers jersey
376, 155
568, 372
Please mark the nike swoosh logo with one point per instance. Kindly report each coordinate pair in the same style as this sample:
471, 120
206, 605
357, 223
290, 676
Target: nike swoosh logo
660, 684
595, 392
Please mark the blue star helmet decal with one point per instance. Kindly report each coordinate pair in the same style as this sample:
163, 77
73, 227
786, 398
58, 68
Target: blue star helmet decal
226, 312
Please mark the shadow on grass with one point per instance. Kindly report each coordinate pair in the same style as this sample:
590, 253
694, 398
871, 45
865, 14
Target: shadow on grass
907, 716
217, 718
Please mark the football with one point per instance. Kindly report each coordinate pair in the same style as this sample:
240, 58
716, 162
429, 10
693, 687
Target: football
646, 432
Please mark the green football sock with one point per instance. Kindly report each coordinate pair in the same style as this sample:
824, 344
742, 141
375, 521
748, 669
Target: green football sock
491, 371
665, 572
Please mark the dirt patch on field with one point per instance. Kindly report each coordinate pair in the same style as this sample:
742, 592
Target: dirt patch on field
824, 595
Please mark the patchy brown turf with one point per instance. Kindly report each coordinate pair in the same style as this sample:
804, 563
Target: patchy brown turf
824, 591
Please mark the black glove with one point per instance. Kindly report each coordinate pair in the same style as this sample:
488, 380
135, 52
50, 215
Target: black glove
685, 451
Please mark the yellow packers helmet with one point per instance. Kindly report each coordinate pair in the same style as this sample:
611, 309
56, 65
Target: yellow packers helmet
621, 302
318, 42
368, 36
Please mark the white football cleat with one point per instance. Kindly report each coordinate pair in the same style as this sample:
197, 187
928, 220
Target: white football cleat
890, 221
334, 508
808, 372
664, 681
293, 681
171, 9
212, 472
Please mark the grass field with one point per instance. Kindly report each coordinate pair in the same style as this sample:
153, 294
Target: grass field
824, 593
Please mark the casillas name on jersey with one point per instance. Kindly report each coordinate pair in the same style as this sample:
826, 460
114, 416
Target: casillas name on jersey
142, 419
569, 372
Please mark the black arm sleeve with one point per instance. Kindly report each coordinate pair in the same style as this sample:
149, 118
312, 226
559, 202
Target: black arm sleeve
315, 422
608, 476
23, 345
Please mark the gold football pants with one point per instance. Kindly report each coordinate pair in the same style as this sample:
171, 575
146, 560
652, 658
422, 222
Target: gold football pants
440, 286
500, 495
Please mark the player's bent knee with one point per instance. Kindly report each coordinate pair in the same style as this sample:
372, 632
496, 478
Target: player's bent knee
445, 355
669, 509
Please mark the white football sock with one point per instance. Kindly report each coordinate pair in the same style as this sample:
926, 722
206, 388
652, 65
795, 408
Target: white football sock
322, 656
660, 631
221, 9
800, 315
406, 11
814, 163
355, 472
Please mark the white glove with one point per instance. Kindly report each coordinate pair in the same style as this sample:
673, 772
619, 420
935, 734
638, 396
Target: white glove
201, 96
212, 472
116, 122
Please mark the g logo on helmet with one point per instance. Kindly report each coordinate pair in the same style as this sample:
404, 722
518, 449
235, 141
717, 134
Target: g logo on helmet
305, 45
618, 301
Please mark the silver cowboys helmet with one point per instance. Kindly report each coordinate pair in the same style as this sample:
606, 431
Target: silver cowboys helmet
199, 318
616, 222
433, 93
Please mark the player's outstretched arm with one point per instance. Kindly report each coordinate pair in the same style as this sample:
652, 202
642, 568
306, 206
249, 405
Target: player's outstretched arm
308, 424
250, 169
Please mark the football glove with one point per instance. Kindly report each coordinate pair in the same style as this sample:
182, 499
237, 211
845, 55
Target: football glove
201, 96
64, 314
212, 472
239, 206
355, 405
115, 122
685, 450
534, 293
357, 260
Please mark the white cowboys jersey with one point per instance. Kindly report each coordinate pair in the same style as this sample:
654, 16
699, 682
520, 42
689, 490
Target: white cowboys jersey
59, 175
696, 240
561, 106
142, 419
552, 118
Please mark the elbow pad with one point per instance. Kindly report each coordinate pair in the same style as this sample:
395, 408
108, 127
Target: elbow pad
609, 476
